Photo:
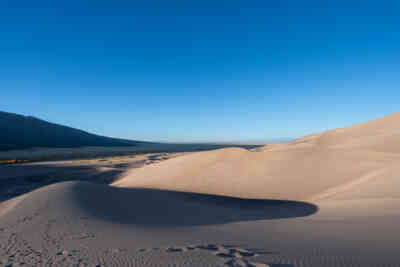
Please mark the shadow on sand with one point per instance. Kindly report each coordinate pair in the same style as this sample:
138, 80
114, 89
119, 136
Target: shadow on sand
19, 179
163, 208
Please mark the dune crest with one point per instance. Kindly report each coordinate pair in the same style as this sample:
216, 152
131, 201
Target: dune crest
300, 170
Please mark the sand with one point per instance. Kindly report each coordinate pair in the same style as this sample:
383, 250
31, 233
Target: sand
329, 199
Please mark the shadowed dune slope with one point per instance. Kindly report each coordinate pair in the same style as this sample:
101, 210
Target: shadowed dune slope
150, 208
312, 167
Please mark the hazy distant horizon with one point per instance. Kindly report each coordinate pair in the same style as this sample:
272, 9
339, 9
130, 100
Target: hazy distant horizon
208, 71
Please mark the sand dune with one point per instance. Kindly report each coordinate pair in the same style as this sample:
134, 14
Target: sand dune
299, 170
329, 199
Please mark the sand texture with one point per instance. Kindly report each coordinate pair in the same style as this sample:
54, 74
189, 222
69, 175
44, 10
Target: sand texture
329, 199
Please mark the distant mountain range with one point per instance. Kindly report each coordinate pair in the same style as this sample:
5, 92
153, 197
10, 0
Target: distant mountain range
20, 132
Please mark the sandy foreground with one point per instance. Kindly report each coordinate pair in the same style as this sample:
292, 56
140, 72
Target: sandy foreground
330, 199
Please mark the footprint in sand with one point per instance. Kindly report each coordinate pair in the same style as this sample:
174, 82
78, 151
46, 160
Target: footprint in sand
173, 249
235, 256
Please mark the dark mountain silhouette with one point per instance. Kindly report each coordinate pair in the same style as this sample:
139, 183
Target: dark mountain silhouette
19, 132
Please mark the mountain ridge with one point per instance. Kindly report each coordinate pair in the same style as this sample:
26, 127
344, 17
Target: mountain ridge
21, 132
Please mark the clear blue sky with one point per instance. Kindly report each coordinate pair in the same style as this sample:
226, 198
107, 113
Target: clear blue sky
200, 70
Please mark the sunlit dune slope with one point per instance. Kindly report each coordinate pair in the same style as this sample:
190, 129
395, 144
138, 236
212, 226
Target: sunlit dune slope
313, 167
